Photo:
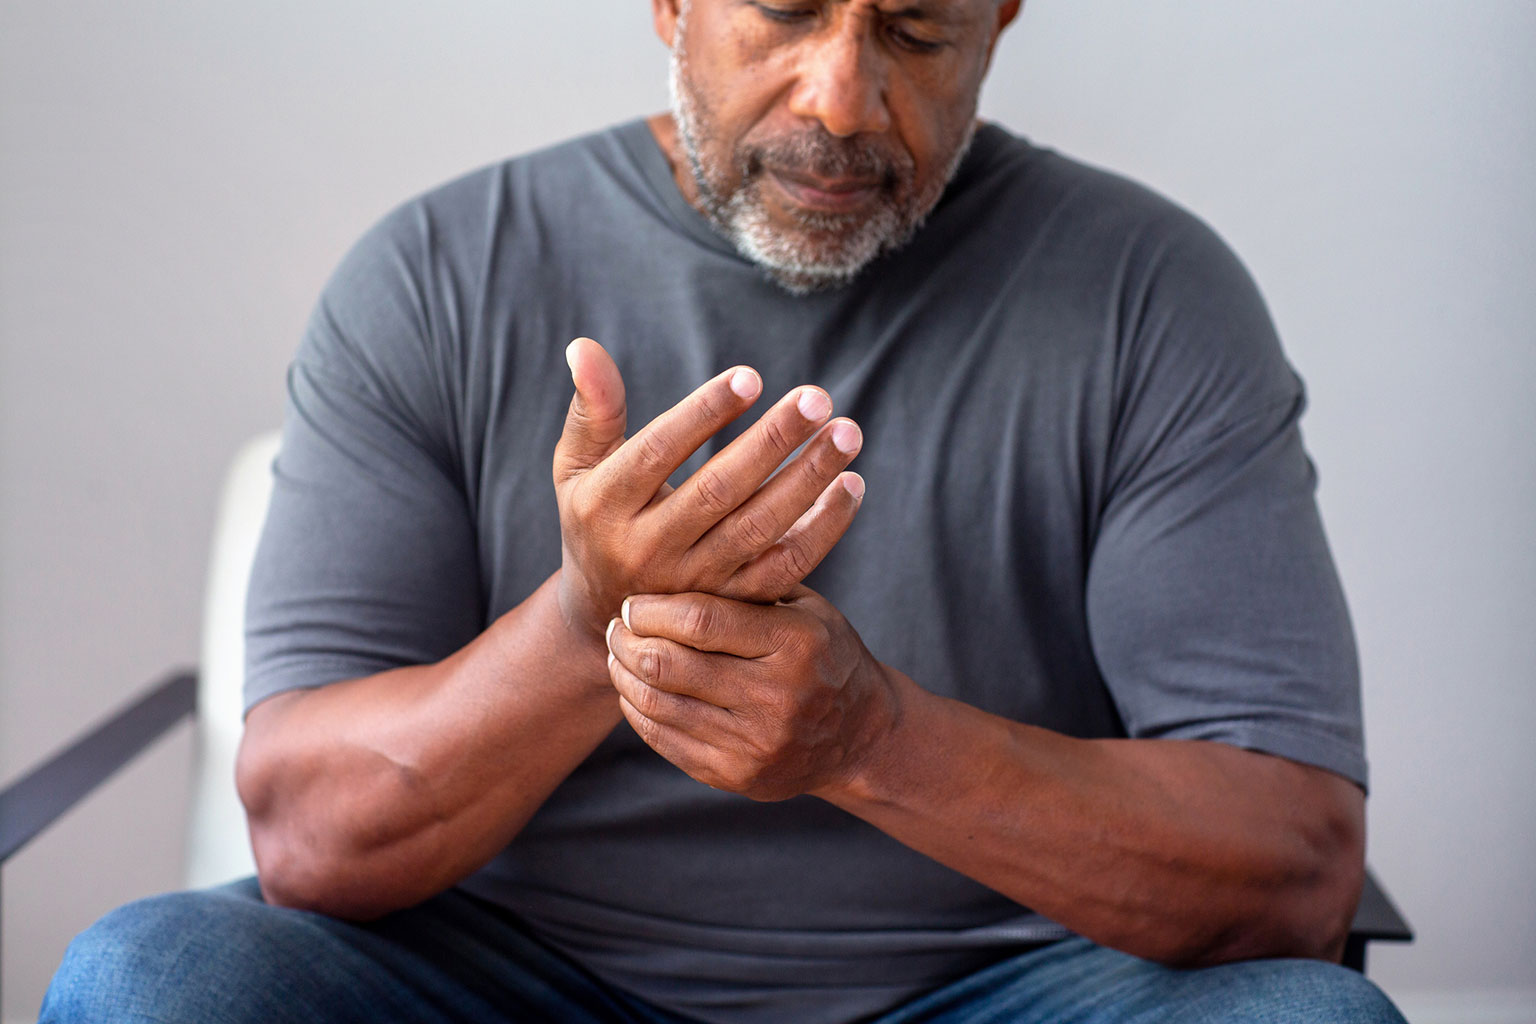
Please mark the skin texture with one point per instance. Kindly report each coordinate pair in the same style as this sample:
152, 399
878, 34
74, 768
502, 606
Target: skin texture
372, 794
1188, 853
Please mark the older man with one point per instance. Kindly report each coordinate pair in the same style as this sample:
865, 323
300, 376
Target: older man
1065, 726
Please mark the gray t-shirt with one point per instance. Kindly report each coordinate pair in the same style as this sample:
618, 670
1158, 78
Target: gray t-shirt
1088, 509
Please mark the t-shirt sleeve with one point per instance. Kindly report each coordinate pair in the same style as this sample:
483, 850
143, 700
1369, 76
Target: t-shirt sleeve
368, 558
1215, 611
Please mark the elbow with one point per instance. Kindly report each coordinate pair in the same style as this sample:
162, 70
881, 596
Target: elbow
1309, 922
1319, 909
1324, 916
287, 880
299, 870
293, 868
1303, 908
298, 879
304, 861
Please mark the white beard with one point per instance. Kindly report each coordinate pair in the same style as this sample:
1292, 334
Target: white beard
828, 249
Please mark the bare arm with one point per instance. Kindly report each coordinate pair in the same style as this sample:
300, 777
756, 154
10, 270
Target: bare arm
1183, 852
372, 794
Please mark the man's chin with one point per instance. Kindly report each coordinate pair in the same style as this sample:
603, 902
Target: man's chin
807, 264
817, 250
801, 280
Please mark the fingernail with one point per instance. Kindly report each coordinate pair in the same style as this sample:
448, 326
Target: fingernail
608, 636
570, 357
745, 383
846, 436
624, 614
814, 405
854, 485
611, 661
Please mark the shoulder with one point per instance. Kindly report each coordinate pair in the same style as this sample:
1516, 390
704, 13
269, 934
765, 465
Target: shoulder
1140, 283
1113, 261
1085, 218
459, 217
429, 261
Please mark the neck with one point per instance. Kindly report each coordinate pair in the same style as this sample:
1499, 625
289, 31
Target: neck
664, 129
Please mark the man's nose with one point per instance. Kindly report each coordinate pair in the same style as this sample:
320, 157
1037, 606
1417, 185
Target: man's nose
841, 83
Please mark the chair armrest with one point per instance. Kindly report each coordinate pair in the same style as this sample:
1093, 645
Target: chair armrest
1376, 918
42, 796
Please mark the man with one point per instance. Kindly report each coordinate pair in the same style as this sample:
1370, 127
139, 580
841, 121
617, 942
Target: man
1081, 650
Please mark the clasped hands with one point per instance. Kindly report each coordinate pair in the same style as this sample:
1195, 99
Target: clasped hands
724, 663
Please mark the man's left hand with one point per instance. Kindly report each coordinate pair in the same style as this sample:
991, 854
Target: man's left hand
770, 701
1187, 852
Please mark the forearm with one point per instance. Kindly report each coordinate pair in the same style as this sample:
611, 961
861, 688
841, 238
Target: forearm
1183, 852
372, 794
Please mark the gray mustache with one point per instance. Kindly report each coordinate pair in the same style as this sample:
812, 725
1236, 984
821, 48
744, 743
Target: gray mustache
827, 156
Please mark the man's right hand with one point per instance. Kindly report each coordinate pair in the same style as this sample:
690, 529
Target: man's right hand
724, 530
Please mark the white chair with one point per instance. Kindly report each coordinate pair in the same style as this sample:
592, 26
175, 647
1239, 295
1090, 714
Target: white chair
218, 849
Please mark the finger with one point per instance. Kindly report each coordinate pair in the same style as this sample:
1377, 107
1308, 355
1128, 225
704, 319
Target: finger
689, 753
711, 627
594, 424
671, 667
635, 472
675, 711
733, 475
772, 575
763, 519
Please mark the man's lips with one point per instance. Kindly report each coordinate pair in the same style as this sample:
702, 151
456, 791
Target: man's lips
827, 195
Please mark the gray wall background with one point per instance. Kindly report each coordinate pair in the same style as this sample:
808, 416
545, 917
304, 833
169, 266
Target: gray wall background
177, 179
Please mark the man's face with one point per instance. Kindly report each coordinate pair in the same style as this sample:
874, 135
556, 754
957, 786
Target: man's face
819, 133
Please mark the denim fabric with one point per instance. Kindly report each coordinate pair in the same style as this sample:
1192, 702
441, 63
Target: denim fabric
224, 957
1077, 982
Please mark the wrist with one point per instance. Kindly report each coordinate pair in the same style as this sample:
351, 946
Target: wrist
571, 644
881, 742
581, 616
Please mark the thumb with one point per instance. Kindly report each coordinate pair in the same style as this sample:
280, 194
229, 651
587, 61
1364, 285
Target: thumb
594, 426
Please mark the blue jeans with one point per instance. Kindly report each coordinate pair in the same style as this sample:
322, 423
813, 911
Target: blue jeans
222, 956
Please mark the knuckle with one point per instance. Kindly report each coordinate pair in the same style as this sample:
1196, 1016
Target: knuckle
708, 408
795, 562
712, 492
647, 730
765, 753
821, 639
651, 662
789, 708
701, 621
741, 774
654, 450
647, 701
821, 461
794, 641
750, 583
752, 533
777, 439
